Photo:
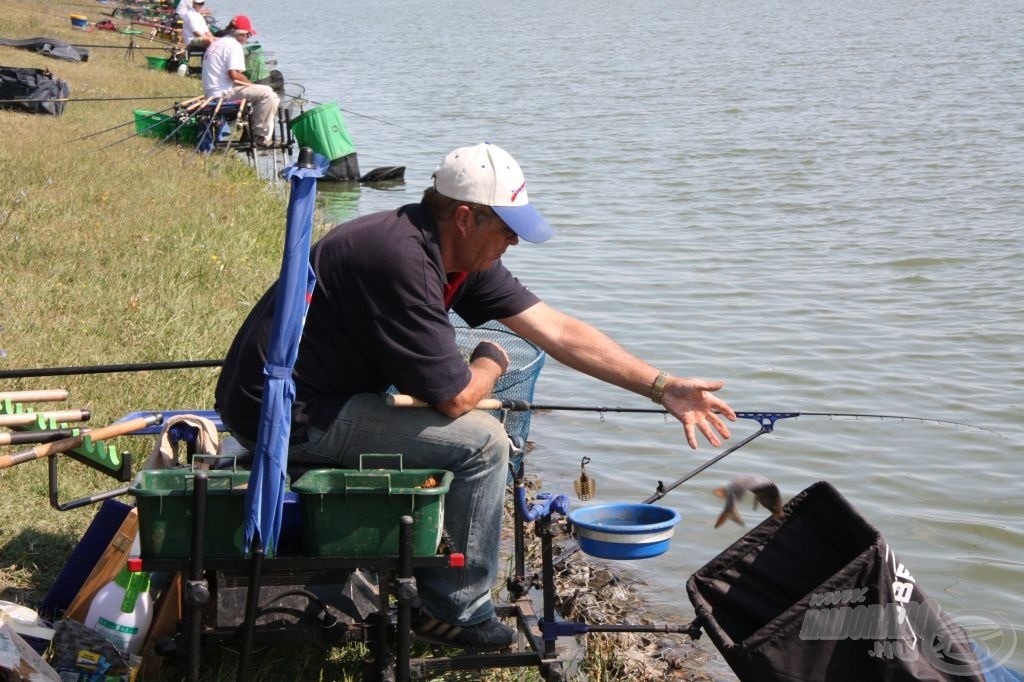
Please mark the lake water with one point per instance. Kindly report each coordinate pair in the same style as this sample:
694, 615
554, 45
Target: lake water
820, 203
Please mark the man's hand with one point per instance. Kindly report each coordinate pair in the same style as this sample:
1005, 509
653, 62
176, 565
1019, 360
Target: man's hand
692, 401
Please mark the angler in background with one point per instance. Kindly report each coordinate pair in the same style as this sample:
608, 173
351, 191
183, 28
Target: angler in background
195, 31
224, 76
184, 6
379, 317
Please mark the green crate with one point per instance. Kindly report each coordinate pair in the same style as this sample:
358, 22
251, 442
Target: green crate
162, 126
356, 513
151, 124
164, 502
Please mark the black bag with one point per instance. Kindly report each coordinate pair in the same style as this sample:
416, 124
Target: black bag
34, 90
819, 595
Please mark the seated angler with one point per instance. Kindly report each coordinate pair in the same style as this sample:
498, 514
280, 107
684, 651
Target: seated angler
379, 317
195, 31
223, 76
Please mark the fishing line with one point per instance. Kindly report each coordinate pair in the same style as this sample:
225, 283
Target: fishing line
354, 113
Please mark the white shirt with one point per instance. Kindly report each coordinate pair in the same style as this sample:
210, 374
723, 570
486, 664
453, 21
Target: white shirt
194, 25
223, 55
183, 8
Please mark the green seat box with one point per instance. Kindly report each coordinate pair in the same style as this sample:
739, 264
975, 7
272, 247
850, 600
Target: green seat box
164, 501
356, 513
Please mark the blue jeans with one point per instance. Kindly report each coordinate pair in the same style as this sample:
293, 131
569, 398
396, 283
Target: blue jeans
474, 447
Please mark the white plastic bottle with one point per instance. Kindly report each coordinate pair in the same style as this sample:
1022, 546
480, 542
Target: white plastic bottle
123, 609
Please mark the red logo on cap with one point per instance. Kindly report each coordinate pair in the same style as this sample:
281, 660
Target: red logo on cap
516, 192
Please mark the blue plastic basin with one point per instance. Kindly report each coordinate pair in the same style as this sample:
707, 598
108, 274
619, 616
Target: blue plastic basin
624, 530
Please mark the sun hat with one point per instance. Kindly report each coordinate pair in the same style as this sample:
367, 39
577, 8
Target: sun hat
242, 23
486, 174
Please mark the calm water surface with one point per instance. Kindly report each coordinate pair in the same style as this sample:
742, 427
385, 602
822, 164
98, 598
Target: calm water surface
819, 203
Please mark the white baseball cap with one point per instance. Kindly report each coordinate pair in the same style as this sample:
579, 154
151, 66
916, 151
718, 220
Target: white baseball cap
486, 174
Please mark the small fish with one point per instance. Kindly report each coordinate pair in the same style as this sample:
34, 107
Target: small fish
765, 492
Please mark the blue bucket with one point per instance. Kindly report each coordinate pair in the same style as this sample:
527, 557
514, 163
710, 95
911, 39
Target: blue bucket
624, 530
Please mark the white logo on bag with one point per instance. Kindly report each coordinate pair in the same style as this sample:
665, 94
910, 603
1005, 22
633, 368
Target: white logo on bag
965, 642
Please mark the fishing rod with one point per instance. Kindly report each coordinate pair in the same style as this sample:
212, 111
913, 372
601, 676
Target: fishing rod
188, 110
765, 419
163, 48
87, 99
107, 369
121, 125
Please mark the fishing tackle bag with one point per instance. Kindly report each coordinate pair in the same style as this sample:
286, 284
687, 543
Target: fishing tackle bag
33, 89
819, 595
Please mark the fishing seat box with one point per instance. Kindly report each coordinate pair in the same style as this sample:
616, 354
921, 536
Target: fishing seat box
818, 595
356, 513
164, 502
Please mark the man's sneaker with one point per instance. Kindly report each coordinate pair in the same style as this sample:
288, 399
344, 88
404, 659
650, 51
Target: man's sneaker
490, 634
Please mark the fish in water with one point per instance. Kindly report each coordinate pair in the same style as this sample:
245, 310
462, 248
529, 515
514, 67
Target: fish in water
765, 492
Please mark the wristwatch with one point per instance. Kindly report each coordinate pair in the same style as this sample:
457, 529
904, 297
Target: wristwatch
658, 387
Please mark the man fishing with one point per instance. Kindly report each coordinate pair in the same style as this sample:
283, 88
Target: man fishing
223, 76
379, 317
195, 30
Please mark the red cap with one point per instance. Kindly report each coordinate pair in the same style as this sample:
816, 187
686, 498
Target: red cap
134, 565
242, 23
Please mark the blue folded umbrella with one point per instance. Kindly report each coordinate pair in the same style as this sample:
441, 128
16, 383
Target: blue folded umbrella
264, 497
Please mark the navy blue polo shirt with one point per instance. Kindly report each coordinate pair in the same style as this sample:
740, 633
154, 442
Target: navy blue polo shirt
377, 318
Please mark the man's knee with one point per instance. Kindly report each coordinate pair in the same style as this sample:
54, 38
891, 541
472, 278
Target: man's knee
494, 443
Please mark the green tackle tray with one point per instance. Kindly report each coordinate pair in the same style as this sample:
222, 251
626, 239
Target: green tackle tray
164, 502
356, 513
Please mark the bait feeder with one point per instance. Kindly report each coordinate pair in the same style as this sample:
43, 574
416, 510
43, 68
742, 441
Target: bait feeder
624, 530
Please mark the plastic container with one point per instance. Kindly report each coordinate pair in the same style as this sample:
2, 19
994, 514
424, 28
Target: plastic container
79, 21
157, 63
150, 124
356, 513
164, 501
624, 530
122, 610
323, 129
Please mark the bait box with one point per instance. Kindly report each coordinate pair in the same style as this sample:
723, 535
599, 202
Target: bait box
624, 530
356, 513
164, 501
157, 63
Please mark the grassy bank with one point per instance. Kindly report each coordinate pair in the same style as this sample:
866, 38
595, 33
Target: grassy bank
114, 252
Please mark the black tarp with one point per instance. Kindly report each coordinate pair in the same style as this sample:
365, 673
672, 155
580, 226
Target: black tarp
51, 47
32, 90
819, 595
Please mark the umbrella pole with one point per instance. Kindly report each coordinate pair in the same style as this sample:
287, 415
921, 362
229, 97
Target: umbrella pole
252, 601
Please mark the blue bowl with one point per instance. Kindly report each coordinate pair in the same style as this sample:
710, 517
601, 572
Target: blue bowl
624, 530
